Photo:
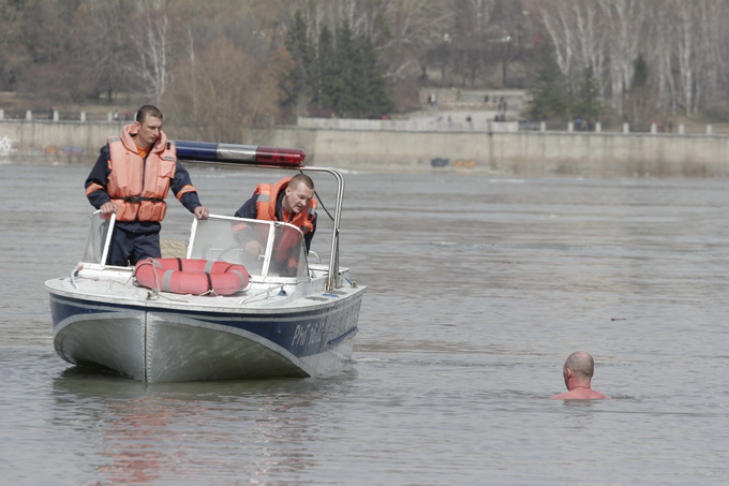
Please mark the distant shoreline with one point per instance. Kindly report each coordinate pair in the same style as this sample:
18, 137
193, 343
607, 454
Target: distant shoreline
366, 168
520, 153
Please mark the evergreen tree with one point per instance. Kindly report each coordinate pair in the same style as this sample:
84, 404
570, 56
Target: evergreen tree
328, 83
348, 87
376, 102
638, 101
587, 105
549, 86
359, 86
640, 73
297, 82
340, 72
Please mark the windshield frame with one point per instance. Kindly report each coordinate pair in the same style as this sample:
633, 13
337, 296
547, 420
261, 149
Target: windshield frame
231, 247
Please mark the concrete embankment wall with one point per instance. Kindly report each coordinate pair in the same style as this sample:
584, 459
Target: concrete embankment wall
529, 153
54, 141
523, 153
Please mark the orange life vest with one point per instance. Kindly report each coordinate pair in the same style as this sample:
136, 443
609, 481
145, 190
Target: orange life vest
266, 206
304, 220
138, 186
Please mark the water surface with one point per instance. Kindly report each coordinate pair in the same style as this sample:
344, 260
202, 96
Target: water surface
478, 289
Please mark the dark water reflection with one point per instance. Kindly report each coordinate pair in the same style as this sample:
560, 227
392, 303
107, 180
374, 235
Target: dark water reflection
478, 289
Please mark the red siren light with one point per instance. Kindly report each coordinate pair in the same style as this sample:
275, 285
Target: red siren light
280, 156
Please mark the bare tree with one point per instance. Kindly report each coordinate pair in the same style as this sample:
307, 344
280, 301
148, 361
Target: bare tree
152, 42
579, 37
58, 70
713, 18
626, 21
697, 35
472, 34
661, 54
223, 75
13, 51
589, 33
509, 44
591, 39
415, 28
558, 21
109, 44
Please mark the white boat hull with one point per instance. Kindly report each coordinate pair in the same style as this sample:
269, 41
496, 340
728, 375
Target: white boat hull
178, 341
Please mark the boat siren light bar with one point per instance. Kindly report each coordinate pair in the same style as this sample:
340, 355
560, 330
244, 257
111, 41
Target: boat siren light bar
239, 154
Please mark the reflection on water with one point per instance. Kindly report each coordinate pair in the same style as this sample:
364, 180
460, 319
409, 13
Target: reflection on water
191, 431
478, 290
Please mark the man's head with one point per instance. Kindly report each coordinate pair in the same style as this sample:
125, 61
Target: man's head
148, 125
578, 368
299, 192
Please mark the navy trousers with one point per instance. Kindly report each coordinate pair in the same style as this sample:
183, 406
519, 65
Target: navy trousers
128, 248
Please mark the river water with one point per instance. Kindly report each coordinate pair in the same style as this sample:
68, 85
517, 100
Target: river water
479, 287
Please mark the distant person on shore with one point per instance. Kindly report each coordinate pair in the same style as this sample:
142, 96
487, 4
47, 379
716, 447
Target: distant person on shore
131, 177
578, 370
432, 102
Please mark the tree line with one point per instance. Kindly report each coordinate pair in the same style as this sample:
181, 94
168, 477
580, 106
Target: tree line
334, 73
220, 65
649, 58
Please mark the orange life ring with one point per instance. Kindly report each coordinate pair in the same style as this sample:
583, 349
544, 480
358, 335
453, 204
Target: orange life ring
188, 276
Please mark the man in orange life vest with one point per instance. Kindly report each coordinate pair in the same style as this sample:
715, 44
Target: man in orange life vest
290, 200
131, 177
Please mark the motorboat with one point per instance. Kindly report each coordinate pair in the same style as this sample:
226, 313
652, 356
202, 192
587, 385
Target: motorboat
280, 311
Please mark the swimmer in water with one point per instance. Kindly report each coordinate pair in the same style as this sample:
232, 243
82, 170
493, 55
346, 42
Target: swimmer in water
577, 371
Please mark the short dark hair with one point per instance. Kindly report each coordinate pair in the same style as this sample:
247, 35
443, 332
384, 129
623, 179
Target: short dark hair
148, 110
299, 178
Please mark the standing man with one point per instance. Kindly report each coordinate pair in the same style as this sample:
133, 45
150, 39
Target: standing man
578, 370
131, 177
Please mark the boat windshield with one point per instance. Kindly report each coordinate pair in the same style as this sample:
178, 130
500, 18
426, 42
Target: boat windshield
96, 240
265, 248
